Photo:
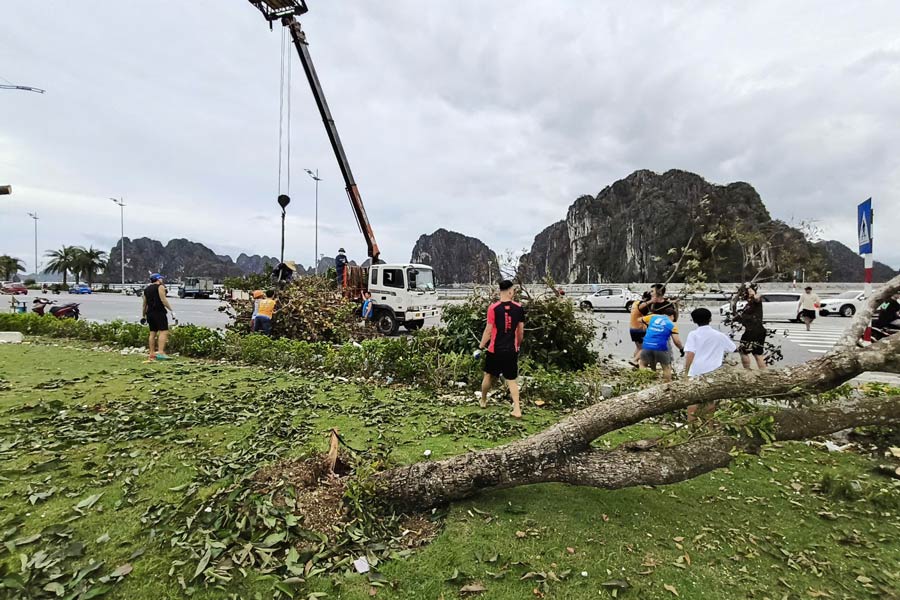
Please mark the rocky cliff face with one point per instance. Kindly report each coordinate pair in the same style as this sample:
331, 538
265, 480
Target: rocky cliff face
177, 259
456, 258
847, 265
625, 233
253, 264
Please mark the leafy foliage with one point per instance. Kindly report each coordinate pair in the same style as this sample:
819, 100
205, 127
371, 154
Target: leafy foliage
10, 266
308, 309
556, 336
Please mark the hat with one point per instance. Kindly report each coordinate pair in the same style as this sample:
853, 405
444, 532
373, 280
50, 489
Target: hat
258, 293
156, 276
341, 250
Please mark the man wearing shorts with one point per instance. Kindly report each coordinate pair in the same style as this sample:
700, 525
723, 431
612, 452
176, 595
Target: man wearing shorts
503, 337
705, 350
154, 314
753, 342
655, 349
808, 305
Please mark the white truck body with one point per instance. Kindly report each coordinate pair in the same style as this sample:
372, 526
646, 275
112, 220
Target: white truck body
403, 294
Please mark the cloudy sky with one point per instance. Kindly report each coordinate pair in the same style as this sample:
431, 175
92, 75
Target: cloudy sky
488, 118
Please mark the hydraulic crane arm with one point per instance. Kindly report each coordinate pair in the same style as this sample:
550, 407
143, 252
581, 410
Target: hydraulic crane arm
286, 11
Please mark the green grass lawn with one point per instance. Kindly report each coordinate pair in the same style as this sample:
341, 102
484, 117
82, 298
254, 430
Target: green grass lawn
96, 446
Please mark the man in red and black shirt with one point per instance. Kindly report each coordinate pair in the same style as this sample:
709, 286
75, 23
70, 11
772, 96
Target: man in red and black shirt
502, 337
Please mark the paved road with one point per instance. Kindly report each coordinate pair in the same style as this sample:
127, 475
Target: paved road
110, 307
797, 344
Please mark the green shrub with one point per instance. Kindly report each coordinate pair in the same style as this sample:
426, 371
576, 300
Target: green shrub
559, 388
419, 358
200, 342
555, 334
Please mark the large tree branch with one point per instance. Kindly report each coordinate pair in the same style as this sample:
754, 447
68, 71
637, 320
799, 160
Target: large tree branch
864, 317
622, 467
613, 469
433, 482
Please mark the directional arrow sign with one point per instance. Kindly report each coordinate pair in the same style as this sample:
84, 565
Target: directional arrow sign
864, 226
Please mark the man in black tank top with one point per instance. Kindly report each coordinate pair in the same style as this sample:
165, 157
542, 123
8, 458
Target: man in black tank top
154, 314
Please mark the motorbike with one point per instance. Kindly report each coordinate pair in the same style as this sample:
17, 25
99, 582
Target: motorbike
884, 331
68, 310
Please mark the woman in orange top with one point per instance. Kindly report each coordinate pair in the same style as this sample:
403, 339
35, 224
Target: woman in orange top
639, 308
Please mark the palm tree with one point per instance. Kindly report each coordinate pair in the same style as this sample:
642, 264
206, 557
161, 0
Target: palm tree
10, 265
88, 263
62, 261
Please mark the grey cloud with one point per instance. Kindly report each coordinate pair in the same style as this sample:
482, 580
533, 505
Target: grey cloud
486, 118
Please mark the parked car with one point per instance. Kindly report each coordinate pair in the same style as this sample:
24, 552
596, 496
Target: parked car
81, 289
777, 306
608, 298
845, 304
710, 295
13, 288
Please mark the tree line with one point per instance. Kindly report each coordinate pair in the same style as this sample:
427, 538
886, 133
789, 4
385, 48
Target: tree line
79, 261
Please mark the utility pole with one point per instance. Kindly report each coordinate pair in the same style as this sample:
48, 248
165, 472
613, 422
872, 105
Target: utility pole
35, 217
121, 203
589, 274
317, 179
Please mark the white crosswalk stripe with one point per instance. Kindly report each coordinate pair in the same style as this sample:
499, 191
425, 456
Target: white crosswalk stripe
824, 334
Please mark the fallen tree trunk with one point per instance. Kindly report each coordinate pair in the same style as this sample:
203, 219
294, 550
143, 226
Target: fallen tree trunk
562, 452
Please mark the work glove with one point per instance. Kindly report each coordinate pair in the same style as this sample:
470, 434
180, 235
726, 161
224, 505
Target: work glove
682, 352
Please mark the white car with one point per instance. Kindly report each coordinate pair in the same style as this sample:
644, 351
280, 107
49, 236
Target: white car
777, 306
608, 298
845, 304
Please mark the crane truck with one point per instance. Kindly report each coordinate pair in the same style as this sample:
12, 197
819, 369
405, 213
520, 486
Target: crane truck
403, 293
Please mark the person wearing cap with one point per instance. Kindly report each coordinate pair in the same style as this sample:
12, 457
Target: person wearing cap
704, 352
154, 314
340, 265
263, 311
257, 296
808, 305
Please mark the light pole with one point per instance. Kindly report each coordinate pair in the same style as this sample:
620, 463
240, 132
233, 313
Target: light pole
589, 274
121, 203
35, 217
317, 179
283, 201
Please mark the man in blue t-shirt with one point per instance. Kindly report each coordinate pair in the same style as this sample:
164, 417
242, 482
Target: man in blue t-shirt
655, 348
368, 305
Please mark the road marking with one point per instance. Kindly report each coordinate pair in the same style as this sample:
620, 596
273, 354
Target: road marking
818, 340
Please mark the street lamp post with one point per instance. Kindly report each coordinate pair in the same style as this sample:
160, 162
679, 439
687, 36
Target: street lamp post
121, 203
35, 217
589, 274
283, 201
317, 179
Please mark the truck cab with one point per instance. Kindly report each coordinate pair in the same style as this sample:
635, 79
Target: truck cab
403, 294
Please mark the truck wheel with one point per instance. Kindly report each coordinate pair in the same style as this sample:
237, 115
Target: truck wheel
181, 293
414, 325
848, 310
628, 305
587, 306
386, 324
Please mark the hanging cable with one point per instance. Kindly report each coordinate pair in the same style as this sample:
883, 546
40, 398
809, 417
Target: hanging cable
281, 109
287, 165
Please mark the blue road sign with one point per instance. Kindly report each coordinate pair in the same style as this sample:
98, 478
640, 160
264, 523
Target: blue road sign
864, 226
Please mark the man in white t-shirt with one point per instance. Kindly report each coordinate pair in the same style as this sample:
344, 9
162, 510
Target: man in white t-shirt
704, 351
